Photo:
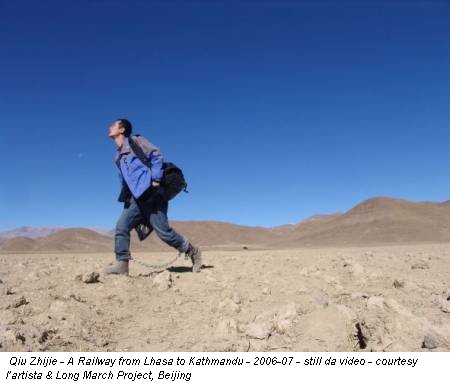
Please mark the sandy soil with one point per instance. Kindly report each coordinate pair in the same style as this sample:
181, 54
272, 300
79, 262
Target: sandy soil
332, 299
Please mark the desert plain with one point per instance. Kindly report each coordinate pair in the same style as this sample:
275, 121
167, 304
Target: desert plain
248, 296
392, 298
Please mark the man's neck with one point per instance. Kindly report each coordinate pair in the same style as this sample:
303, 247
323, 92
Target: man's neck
119, 140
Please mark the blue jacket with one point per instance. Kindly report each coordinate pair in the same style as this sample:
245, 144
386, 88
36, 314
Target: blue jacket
133, 172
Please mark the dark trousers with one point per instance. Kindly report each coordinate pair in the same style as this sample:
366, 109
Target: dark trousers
156, 217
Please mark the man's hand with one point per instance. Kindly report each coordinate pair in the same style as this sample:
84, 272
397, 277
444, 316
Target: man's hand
156, 184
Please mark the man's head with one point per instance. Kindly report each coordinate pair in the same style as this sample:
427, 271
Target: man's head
120, 127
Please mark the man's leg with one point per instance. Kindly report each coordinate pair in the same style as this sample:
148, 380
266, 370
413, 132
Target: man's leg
130, 217
159, 222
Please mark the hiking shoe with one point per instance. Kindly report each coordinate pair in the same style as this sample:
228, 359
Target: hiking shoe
196, 257
120, 268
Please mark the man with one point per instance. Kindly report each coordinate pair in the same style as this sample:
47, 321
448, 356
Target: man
142, 202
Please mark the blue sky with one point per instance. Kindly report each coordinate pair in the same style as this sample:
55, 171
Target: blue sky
275, 110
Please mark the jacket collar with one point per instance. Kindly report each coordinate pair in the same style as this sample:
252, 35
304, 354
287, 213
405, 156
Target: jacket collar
125, 147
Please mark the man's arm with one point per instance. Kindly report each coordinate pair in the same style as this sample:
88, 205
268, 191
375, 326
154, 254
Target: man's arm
124, 194
119, 172
155, 157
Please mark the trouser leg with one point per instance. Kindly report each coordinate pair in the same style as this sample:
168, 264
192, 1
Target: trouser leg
160, 224
130, 217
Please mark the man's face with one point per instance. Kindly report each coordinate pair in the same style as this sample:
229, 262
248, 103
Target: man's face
115, 129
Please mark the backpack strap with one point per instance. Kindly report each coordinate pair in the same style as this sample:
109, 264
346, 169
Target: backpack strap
139, 153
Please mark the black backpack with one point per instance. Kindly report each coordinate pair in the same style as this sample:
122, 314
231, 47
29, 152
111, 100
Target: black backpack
172, 182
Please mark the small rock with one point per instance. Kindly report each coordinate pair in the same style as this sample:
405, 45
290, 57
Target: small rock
90, 278
398, 284
14, 337
19, 302
21, 337
359, 295
347, 263
282, 325
259, 331
284, 319
266, 291
421, 264
229, 306
429, 342
43, 338
245, 248
101, 342
9, 291
236, 297
445, 306
77, 297
163, 281
1, 281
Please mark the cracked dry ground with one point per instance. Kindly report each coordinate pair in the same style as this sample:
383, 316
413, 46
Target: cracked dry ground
393, 298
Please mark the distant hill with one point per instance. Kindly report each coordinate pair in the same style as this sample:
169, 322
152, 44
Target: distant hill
306, 226
378, 220
37, 232
17, 244
74, 239
30, 232
219, 233
85, 240
375, 221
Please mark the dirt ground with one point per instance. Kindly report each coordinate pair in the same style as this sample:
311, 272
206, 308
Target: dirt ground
392, 298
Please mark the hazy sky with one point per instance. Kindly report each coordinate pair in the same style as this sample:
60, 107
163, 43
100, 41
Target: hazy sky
275, 110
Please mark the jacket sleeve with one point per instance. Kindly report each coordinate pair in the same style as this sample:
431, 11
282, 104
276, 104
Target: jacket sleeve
154, 155
119, 172
156, 159
124, 193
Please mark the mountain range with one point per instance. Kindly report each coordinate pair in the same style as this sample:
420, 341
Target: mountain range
376, 221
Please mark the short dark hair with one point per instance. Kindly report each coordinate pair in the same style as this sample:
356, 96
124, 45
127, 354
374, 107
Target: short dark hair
124, 123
